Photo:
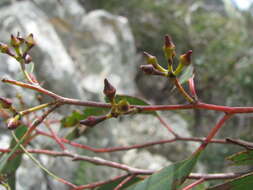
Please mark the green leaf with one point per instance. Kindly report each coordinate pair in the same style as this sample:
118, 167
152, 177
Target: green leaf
169, 178
187, 74
244, 182
133, 101
242, 158
12, 165
114, 184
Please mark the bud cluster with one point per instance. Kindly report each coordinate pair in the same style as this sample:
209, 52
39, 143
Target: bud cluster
154, 68
21, 47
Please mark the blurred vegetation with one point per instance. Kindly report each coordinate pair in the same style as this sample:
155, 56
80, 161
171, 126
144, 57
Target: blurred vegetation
221, 38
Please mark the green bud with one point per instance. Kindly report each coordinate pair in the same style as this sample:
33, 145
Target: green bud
30, 42
123, 106
153, 61
4, 48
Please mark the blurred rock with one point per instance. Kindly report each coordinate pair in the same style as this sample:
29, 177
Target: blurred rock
52, 62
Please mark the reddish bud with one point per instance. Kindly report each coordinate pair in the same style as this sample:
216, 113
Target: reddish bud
185, 59
109, 90
13, 122
93, 120
27, 58
168, 42
5, 102
150, 70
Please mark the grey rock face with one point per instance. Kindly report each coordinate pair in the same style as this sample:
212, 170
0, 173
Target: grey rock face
53, 64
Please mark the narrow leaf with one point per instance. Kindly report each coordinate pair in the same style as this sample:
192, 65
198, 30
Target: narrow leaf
187, 74
244, 182
242, 158
169, 178
12, 165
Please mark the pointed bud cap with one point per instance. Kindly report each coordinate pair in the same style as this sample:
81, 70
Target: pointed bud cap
93, 120
5, 102
185, 59
15, 42
13, 123
168, 42
109, 90
169, 47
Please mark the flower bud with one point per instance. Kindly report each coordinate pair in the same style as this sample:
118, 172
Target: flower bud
15, 42
169, 47
5, 102
153, 61
123, 106
109, 90
30, 42
185, 59
13, 122
4, 48
150, 70
93, 120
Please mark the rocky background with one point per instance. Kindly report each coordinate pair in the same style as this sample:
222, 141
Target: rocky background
75, 51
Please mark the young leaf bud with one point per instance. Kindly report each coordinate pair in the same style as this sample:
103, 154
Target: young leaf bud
169, 47
13, 122
150, 70
15, 42
185, 59
109, 90
93, 120
123, 106
5, 102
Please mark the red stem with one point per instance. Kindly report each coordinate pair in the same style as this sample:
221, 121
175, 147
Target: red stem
201, 180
